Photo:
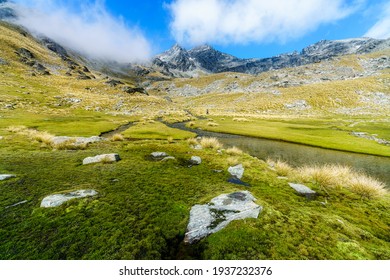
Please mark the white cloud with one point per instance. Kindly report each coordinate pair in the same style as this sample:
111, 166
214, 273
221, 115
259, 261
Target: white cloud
244, 21
381, 29
85, 27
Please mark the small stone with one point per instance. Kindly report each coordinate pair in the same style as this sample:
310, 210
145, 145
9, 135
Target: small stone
282, 178
106, 158
195, 160
6, 176
159, 154
303, 190
168, 158
58, 199
197, 147
237, 171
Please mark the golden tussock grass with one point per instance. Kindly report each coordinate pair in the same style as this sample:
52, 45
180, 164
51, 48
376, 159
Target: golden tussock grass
212, 124
192, 141
40, 136
233, 160
234, 151
211, 143
332, 177
117, 137
240, 120
281, 167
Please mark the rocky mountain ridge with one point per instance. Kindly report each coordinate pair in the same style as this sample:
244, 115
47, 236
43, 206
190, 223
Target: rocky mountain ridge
179, 62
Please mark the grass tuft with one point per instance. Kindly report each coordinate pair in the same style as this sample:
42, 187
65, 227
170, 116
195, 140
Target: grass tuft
211, 143
117, 137
233, 151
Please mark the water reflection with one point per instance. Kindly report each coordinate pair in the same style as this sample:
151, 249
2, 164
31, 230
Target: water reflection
298, 155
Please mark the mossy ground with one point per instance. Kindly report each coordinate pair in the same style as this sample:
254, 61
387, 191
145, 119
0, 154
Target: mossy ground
142, 209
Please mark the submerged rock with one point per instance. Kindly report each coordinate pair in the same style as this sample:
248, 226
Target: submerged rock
6, 176
214, 216
106, 158
58, 199
236, 171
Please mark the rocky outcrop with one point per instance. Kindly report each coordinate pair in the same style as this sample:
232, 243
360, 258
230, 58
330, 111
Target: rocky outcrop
105, 158
58, 199
371, 137
6, 176
216, 215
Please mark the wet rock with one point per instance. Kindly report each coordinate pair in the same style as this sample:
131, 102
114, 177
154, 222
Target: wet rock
303, 190
195, 160
6, 176
236, 171
105, 158
216, 215
58, 199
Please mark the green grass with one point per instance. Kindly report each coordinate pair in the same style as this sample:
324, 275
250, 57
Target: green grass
326, 133
155, 130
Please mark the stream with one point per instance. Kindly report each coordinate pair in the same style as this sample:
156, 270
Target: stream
298, 155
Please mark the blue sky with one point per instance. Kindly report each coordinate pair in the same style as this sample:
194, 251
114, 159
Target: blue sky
136, 30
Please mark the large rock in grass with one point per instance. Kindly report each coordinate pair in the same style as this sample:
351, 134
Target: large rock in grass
6, 176
236, 171
214, 216
58, 199
303, 190
106, 158
75, 141
195, 160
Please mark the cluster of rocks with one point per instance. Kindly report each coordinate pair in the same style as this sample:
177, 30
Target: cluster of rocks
28, 58
371, 137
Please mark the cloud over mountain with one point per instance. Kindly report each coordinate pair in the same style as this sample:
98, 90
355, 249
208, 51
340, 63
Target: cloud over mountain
85, 26
247, 21
381, 30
